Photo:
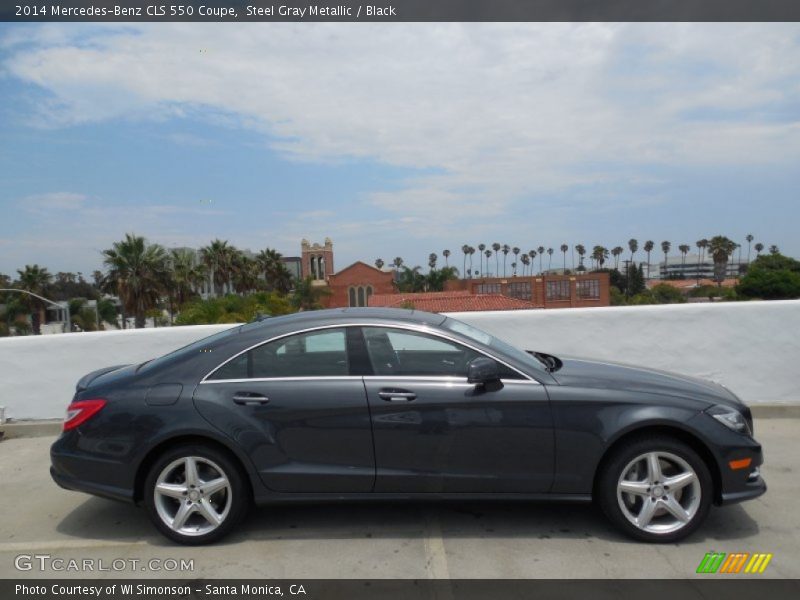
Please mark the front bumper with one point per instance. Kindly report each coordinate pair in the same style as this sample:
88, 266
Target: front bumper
755, 486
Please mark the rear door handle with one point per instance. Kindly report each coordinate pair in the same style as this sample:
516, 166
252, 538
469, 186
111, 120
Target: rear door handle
397, 395
249, 398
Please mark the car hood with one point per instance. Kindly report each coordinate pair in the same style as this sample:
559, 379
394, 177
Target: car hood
613, 376
105, 375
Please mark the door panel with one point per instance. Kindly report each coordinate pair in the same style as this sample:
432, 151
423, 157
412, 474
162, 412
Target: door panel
310, 436
302, 419
457, 437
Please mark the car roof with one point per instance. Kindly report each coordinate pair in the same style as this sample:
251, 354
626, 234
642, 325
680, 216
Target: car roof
333, 315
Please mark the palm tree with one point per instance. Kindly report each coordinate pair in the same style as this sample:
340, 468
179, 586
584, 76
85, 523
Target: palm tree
665, 247
379, 263
244, 273
505, 249
721, 249
481, 248
532, 254
701, 246
526, 260
773, 249
465, 250
684, 248
496, 247
488, 254
183, 276
515, 251
135, 273
308, 296
471, 252
633, 246
446, 254
218, 258
34, 279
749, 237
397, 262
600, 254
648, 247
564, 249
759, 247
550, 259
581, 250
432, 258
540, 250
276, 275
616, 252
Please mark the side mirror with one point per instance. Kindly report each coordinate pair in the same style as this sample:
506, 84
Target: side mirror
482, 370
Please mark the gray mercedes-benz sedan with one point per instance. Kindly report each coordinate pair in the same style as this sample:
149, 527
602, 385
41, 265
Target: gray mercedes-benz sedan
345, 404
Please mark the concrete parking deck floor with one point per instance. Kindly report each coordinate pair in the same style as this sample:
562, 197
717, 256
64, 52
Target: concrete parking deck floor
459, 540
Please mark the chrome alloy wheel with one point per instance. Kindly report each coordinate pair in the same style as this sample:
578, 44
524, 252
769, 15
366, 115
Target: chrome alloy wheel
192, 495
659, 492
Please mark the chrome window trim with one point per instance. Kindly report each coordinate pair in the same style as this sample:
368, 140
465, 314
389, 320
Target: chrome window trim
416, 328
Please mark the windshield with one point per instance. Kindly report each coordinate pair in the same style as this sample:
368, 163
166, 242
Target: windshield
497, 344
192, 348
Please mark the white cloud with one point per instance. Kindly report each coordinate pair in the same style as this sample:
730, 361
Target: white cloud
493, 115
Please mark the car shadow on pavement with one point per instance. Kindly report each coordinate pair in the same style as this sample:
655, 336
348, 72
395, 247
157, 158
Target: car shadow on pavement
107, 520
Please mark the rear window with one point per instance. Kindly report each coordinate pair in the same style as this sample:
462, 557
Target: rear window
193, 348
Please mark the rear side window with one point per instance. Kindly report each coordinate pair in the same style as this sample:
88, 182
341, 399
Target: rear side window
313, 354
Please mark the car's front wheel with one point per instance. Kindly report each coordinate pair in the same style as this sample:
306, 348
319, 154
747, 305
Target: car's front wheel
195, 494
655, 489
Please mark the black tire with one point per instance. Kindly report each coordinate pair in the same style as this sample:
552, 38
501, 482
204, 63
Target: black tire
210, 462
615, 505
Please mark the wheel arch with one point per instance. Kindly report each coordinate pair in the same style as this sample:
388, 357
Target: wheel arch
689, 438
188, 438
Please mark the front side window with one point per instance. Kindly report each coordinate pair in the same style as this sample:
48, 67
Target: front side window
314, 354
409, 353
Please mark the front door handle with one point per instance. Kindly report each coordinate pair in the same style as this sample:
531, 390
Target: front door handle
397, 395
249, 398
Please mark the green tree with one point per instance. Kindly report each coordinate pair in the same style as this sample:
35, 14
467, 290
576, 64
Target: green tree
135, 273
771, 277
446, 254
308, 296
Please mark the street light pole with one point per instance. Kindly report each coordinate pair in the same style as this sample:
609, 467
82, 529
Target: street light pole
43, 299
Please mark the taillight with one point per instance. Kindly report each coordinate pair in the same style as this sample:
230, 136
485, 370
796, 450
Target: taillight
81, 411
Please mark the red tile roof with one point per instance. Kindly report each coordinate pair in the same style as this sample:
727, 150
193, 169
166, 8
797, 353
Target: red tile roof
455, 301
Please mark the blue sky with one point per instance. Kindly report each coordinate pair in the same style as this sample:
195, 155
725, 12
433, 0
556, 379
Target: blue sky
394, 139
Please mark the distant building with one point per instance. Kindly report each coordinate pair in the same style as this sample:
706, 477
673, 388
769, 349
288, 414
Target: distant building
293, 264
543, 291
452, 301
690, 267
357, 284
317, 261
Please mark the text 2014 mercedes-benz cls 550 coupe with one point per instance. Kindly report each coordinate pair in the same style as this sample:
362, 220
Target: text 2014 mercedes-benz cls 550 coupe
389, 404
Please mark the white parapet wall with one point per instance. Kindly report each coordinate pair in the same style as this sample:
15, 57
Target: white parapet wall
752, 347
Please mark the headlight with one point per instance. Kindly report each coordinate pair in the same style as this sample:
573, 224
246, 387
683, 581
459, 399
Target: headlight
731, 418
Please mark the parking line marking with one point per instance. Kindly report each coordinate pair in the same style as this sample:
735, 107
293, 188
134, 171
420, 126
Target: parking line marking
65, 545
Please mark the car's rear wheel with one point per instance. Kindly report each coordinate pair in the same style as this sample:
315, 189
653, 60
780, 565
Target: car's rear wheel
195, 494
655, 489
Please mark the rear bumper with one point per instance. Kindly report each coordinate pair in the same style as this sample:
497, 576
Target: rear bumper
84, 473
